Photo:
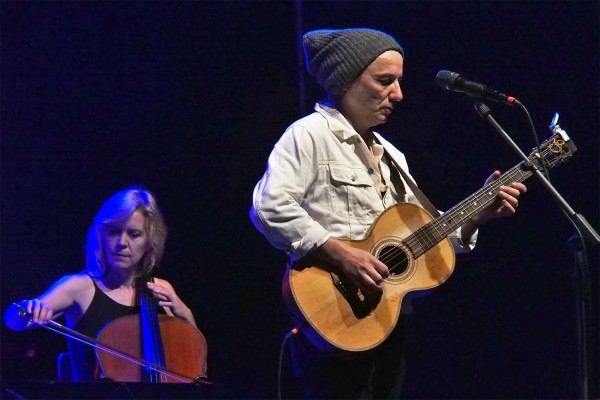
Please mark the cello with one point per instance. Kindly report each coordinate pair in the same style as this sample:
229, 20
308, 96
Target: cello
168, 342
144, 347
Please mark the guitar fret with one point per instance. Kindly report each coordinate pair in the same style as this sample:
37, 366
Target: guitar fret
420, 239
415, 245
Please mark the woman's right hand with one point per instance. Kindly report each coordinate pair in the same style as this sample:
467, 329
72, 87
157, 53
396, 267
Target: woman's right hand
40, 314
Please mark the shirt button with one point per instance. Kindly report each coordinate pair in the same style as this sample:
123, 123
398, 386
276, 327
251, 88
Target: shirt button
370, 171
353, 177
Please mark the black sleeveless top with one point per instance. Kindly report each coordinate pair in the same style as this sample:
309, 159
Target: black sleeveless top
101, 311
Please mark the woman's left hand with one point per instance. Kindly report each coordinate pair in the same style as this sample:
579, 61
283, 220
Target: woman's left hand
167, 298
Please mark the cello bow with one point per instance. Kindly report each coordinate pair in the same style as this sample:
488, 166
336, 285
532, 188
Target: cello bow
55, 327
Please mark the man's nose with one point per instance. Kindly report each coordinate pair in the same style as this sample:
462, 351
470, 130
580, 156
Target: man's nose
396, 94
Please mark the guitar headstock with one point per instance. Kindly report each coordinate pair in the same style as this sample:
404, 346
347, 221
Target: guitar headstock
558, 148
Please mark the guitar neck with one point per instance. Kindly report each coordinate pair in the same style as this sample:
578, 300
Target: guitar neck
440, 228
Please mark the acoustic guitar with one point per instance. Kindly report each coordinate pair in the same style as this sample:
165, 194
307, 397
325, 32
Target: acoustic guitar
415, 248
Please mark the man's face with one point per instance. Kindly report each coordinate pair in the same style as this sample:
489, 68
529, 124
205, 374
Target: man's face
370, 99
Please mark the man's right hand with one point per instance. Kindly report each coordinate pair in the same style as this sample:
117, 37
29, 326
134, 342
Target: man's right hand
360, 267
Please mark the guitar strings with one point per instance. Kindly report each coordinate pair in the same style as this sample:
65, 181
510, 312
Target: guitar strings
421, 238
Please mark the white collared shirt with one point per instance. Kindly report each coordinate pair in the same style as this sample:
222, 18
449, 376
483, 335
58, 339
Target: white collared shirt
322, 180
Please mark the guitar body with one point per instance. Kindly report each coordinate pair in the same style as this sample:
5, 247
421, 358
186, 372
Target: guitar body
338, 313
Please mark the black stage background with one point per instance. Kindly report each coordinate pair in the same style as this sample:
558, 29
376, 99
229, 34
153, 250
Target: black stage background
188, 98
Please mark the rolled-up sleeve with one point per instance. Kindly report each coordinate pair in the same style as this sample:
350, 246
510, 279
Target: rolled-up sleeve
459, 245
276, 208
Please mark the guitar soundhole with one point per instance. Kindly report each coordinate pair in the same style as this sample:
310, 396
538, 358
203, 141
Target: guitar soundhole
394, 258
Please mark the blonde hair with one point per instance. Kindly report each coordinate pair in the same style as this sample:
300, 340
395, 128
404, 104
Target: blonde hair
118, 208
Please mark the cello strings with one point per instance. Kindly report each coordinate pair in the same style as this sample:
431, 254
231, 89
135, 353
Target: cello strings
152, 331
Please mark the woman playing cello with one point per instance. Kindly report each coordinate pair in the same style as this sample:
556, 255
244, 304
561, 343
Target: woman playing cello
126, 241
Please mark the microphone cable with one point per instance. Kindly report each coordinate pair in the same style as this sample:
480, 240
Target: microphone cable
536, 138
287, 337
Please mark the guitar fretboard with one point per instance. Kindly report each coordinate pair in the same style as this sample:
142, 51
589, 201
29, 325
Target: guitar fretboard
440, 228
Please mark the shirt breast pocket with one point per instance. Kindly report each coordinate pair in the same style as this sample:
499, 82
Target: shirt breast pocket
351, 191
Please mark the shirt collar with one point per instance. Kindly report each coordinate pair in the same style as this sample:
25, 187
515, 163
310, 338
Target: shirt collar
338, 124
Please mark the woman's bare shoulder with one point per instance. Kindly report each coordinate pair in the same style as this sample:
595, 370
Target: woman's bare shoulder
78, 281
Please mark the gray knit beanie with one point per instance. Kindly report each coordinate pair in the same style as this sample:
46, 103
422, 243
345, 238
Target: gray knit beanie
337, 57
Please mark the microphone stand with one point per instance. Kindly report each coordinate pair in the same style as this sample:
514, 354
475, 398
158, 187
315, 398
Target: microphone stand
583, 231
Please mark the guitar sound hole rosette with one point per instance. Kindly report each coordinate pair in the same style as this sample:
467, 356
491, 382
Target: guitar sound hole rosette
397, 257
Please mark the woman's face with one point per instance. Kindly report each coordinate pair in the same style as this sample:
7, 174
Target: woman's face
370, 99
125, 243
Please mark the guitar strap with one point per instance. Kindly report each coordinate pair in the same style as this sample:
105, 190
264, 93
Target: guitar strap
395, 169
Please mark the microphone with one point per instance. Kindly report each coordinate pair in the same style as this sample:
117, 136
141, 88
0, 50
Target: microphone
456, 83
